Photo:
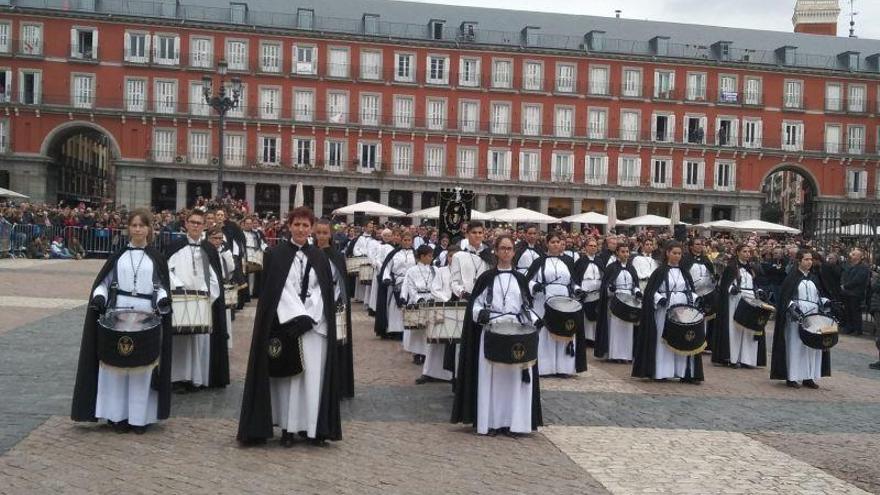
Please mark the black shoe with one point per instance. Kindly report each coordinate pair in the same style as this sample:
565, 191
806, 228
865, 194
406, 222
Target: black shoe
690, 381
874, 366
286, 439
746, 366
421, 358
792, 384
122, 427
317, 442
492, 432
736, 366
811, 384
371, 312
139, 430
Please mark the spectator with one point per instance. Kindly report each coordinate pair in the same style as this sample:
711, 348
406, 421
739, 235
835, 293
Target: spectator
854, 286
37, 248
58, 251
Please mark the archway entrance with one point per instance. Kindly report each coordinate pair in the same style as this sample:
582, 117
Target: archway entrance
82, 166
790, 198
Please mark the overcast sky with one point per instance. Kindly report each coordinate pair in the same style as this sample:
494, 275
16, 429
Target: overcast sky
759, 14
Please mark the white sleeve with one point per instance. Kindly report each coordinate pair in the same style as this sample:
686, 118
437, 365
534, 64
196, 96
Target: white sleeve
103, 289
215, 288
456, 282
173, 279
408, 289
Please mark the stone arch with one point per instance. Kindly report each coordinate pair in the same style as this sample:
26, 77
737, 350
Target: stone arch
68, 128
81, 162
799, 213
797, 168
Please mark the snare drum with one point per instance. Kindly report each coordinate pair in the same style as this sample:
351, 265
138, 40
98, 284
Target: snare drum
254, 261
685, 331
448, 321
591, 305
129, 339
563, 317
230, 295
752, 315
818, 331
191, 312
708, 296
365, 274
414, 317
341, 325
626, 307
353, 264
510, 342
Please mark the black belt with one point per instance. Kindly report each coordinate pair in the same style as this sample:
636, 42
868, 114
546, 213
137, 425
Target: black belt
185, 292
120, 292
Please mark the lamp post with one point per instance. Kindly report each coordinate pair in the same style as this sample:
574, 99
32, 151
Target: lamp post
222, 103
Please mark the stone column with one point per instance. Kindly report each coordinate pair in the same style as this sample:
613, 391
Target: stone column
352, 198
576, 206
480, 201
544, 204
706, 213
284, 202
512, 202
250, 195
180, 202
384, 199
642, 208
318, 207
416, 201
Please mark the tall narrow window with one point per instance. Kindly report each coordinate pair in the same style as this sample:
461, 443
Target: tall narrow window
270, 57
403, 112
502, 74
724, 176
438, 69
5, 37
565, 78
237, 54
435, 160
404, 70
30, 87
531, 120
338, 64
270, 103
467, 163
401, 156
696, 86
661, 173
369, 109
693, 174
31, 39
334, 155
199, 147
833, 134
234, 149
468, 116
371, 65
166, 96
303, 106
337, 108
201, 52
436, 114
83, 91
305, 60
752, 91
533, 76
529, 166
793, 96
833, 97
166, 49
164, 145
599, 81
84, 43
135, 95
564, 122
632, 83
596, 170
469, 72
197, 103
500, 118
270, 153
629, 169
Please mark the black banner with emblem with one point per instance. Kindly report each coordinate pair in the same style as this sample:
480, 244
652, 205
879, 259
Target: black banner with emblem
455, 209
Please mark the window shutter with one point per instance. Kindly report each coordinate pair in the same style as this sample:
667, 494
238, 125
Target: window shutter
74, 48
701, 175
734, 132
800, 136
147, 46
127, 43
326, 153
38, 88
670, 128
95, 44
177, 49
428, 68
360, 155
378, 156
446, 71
653, 128
156, 50
732, 178
672, 81
313, 150
717, 130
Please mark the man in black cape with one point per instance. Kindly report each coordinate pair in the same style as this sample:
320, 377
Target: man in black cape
345, 353
721, 336
608, 278
234, 235
646, 340
380, 323
591, 309
696, 255
466, 384
529, 243
85, 391
218, 375
255, 423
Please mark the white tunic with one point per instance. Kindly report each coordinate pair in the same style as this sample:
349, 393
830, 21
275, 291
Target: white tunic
503, 400
227, 263
378, 252
441, 290
466, 267
620, 333
645, 266
804, 363
591, 283
525, 261
297, 399
675, 289
361, 291
743, 346
395, 270
416, 287
552, 356
125, 393
192, 353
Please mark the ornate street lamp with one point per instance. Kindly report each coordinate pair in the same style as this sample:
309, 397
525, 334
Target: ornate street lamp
222, 103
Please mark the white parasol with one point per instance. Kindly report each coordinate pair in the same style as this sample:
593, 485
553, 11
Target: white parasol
762, 226
6, 193
298, 196
369, 208
647, 221
612, 215
523, 215
591, 218
434, 213
675, 214
717, 225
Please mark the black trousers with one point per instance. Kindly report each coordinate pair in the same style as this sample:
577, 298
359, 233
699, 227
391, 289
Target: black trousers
853, 313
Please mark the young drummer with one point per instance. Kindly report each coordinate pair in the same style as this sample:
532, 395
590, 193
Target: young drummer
417, 284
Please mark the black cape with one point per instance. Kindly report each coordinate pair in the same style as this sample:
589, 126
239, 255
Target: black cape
778, 361
85, 391
688, 261
218, 374
721, 334
608, 277
521, 248
258, 277
580, 268
464, 406
380, 324
234, 233
345, 353
255, 422
646, 341
580, 346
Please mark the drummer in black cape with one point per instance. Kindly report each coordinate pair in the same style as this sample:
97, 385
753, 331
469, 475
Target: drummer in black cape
126, 379
734, 344
292, 376
614, 332
702, 271
654, 357
527, 250
492, 396
323, 237
588, 273
792, 360
562, 348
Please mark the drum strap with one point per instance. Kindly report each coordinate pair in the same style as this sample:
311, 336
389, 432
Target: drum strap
116, 291
304, 288
490, 294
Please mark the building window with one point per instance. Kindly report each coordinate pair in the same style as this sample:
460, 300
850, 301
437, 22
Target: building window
337, 107
855, 139
696, 86
199, 147
599, 81
727, 131
792, 136
596, 170
201, 52
403, 112
856, 103
197, 103
856, 183
436, 114
629, 171
467, 163
752, 90
728, 89
30, 87
833, 97
31, 39
135, 95
664, 84
5, 29
305, 60
270, 152
469, 72
752, 133
499, 165
238, 110
334, 155
661, 173
237, 54
435, 160
500, 118
84, 43
562, 167
164, 145
83, 91
270, 103
234, 149
4, 136
629, 125
724, 176
404, 67
303, 106
632, 83
529, 166
369, 109
137, 47
303, 152
793, 95
370, 156
401, 157
502, 74
338, 63
166, 96
371, 65
533, 76
438, 69
566, 81
166, 49
693, 174
597, 123
663, 128
531, 120
270, 57
833, 134
468, 116
695, 129
564, 125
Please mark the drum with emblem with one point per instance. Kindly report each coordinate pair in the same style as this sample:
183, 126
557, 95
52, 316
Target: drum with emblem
591, 305
627, 307
818, 331
752, 315
353, 264
708, 296
510, 342
563, 317
684, 331
129, 338
254, 261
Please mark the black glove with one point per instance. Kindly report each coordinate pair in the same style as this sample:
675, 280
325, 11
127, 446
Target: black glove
580, 294
734, 290
760, 294
539, 323
662, 302
538, 288
638, 294
483, 317
826, 307
299, 325
164, 306
612, 288
99, 303
698, 301
387, 282
465, 296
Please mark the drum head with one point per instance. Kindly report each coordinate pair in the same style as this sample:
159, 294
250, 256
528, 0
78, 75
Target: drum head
685, 314
628, 299
704, 288
817, 323
510, 328
128, 320
592, 296
564, 304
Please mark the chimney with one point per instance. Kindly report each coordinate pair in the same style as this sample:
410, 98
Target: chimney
816, 17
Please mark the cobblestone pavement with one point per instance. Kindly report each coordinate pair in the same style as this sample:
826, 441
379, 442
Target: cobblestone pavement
606, 432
